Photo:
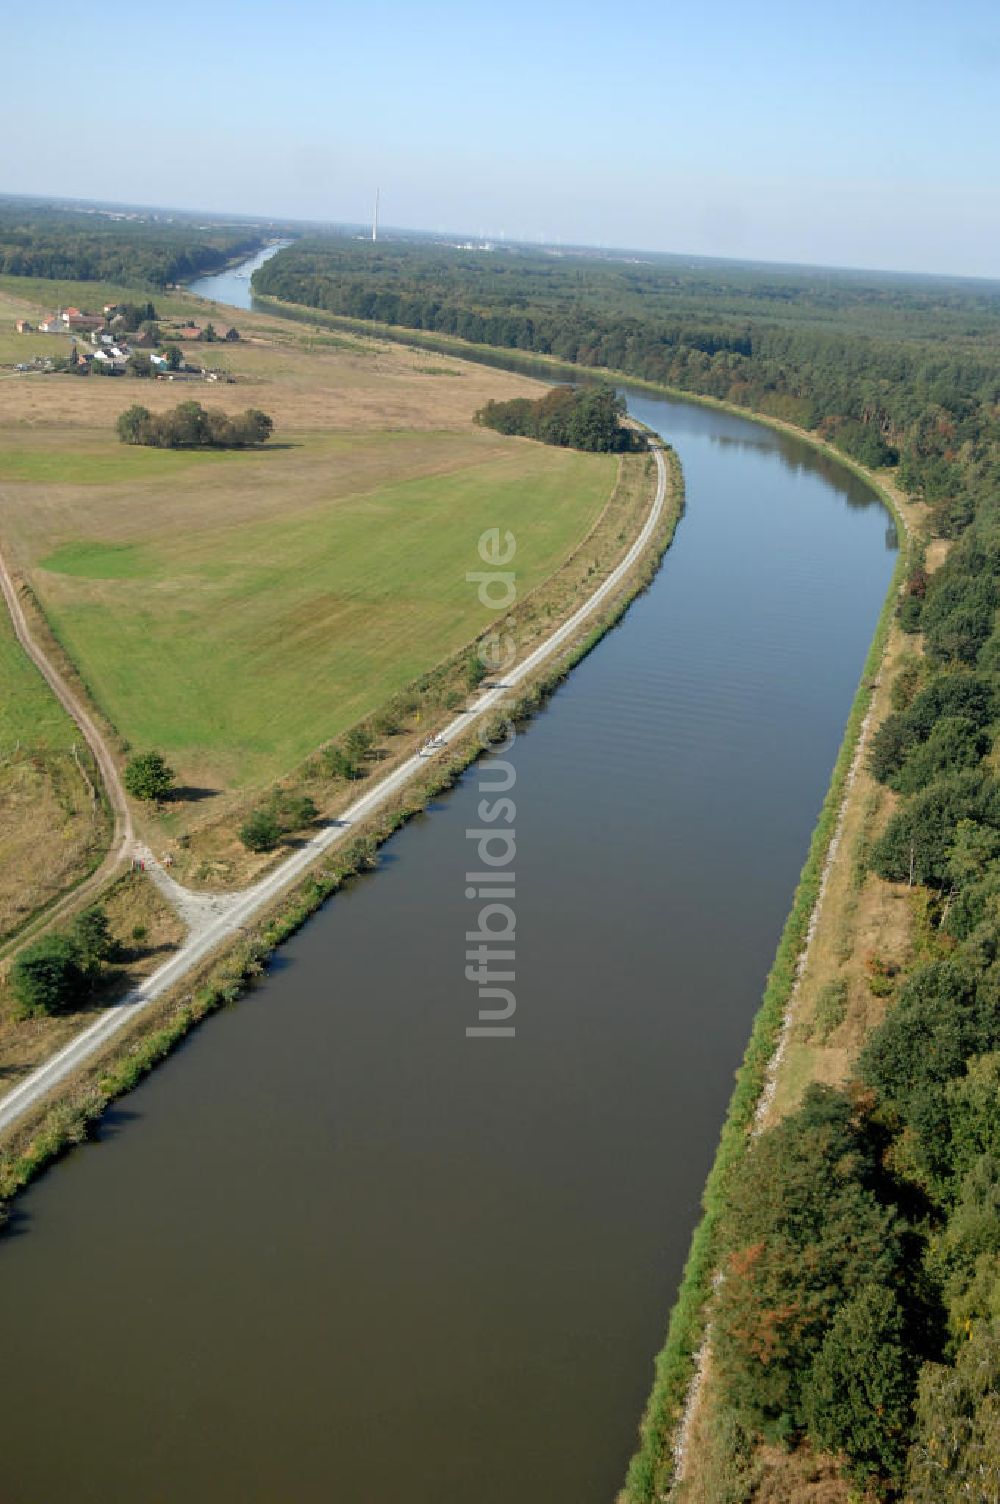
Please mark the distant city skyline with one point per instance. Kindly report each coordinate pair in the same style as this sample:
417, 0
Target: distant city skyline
861, 137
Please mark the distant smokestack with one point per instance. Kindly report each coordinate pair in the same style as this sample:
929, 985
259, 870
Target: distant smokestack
375, 218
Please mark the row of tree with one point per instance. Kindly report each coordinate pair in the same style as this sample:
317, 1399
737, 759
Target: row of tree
191, 426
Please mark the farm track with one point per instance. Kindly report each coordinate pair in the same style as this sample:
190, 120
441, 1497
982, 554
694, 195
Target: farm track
123, 835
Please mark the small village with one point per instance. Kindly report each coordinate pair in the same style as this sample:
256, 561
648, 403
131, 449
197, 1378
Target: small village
126, 340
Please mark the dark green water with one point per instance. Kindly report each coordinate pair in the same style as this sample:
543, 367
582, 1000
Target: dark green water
335, 1250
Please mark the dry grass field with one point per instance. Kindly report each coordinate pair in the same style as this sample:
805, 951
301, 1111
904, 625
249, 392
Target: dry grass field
51, 826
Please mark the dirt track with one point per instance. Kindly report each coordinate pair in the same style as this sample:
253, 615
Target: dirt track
122, 837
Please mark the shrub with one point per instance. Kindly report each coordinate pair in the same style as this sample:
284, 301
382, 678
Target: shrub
147, 776
49, 977
907, 681
292, 811
358, 743
475, 671
339, 764
261, 832
388, 722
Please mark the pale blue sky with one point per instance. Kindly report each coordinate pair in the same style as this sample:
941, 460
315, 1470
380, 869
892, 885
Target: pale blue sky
859, 134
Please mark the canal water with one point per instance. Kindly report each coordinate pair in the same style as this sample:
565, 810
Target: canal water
232, 286
333, 1249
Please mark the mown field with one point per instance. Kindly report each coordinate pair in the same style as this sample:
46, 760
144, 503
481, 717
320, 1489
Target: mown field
236, 638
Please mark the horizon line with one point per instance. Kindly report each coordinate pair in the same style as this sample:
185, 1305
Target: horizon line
65, 201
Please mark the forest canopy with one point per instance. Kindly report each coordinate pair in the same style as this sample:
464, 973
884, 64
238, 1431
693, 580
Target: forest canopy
77, 246
896, 371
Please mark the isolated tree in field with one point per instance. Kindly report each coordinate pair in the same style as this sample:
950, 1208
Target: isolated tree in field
261, 832
49, 977
147, 776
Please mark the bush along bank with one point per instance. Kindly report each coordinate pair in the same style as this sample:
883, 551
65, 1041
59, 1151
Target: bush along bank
652, 1469
69, 1120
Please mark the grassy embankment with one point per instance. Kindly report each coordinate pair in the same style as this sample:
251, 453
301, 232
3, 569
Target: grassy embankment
220, 981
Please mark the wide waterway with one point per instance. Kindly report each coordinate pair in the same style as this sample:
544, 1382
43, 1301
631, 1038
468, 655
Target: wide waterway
333, 1249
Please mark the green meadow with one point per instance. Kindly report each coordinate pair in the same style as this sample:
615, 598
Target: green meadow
236, 646
108, 464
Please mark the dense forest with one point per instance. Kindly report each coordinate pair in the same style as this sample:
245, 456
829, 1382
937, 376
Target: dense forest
860, 1238
571, 417
894, 370
78, 246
